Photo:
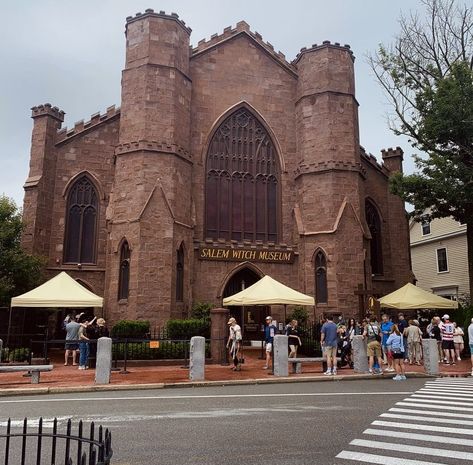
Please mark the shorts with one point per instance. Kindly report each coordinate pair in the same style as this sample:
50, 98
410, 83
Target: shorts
71, 346
374, 349
293, 348
269, 347
398, 355
330, 351
471, 349
448, 345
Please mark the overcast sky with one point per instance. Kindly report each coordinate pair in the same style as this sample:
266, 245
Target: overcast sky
71, 53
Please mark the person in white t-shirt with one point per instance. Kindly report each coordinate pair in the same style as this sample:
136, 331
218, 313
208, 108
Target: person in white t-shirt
470, 340
234, 343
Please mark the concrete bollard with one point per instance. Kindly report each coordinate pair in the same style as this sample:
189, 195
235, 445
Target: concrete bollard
1, 347
431, 356
197, 359
360, 358
280, 354
103, 364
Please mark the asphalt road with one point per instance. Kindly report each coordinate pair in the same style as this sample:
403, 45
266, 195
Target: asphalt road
297, 423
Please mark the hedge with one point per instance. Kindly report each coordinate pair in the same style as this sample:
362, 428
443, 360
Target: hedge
131, 328
185, 329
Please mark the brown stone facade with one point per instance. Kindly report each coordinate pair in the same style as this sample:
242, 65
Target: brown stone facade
147, 161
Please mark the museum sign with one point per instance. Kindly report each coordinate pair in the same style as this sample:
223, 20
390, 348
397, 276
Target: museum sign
230, 254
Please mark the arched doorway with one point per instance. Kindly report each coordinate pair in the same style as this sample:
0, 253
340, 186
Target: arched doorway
251, 318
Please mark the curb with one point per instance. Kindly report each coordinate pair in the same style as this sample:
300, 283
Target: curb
192, 384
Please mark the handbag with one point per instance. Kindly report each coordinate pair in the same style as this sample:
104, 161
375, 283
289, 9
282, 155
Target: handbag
376, 335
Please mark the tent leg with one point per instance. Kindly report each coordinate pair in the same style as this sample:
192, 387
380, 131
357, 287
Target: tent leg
9, 329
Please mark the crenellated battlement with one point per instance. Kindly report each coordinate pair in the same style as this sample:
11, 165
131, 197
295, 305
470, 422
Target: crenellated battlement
149, 12
325, 44
47, 109
373, 161
242, 27
81, 126
392, 152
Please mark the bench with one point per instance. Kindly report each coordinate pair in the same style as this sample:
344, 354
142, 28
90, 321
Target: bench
297, 362
35, 370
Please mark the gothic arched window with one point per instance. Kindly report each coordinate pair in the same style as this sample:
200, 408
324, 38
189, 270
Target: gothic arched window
321, 292
180, 274
242, 184
81, 223
124, 274
376, 246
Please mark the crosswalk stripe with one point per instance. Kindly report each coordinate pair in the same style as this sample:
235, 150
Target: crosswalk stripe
433, 401
415, 449
450, 383
454, 421
434, 414
446, 393
448, 390
381, 459
419, 437
450, 386
439, 396
415, 426
419, 403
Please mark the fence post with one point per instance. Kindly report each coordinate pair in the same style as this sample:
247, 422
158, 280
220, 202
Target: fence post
431, 356
125, 359
218, 328
1, 349
197, 359
360, 357
103, 364
280, 355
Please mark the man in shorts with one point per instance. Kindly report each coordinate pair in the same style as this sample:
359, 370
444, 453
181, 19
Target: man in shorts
470, 339
269, 332
72, 334
329, 343
448, 346
372, 334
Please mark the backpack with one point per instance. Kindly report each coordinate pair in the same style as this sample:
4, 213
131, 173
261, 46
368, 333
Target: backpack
377, 335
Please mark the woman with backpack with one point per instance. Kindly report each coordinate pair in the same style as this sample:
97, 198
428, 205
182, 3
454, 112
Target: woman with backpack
396, 342
372, 334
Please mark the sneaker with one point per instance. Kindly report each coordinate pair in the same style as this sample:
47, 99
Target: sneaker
397, 378
81, 367
459, 359
403, 377
334, 372
265, 367
391, 370
328, 372
379, 371
370, 371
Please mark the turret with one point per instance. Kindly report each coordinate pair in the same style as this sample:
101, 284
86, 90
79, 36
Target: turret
39, 186
392, 159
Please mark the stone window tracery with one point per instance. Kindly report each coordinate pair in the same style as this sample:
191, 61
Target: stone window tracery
124, 274
321, 291
81, 223
242, 183
376, 245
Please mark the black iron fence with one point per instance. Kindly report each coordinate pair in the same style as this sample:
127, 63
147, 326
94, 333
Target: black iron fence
45, 444
310, 338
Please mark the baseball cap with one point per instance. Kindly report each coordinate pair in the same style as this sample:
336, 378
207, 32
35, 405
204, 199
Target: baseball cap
269, 318
446, 317
231, 320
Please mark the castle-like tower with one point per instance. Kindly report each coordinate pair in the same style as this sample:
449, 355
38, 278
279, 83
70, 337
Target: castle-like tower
224, 163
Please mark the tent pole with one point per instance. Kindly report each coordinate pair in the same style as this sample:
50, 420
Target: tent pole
285, 317
9, 328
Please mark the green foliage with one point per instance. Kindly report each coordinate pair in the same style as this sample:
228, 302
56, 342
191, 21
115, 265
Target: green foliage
300, 314
201, 311
131, 329
19, 271
185, 329
20, 354
168, 350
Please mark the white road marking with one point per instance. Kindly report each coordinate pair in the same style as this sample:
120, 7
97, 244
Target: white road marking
381, 459
419, 437
415, 426
434, 414
454, 421
440, 396
433, 401
416, 403
217, 396
454, 392
415, 449
456, 387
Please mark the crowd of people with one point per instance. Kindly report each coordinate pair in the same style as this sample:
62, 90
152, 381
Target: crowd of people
80, 330
393, 344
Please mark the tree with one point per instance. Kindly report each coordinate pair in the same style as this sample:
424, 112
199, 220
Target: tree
19, 271
427, 75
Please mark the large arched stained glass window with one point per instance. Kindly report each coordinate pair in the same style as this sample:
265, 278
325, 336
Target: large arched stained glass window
81, 223
376, 245
242, 185
321, 291
124, 274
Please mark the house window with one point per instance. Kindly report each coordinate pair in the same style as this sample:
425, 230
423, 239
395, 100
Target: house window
124, 274
425, 227
242, 181
321, 293
81, 223
180, 274
376, 245
442, 260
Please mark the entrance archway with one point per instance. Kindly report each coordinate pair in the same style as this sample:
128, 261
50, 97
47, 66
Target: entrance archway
250, 318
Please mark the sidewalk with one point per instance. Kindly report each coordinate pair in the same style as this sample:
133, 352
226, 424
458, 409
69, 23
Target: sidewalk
69, 378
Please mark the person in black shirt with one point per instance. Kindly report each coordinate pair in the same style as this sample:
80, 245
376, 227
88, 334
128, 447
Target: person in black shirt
402, 325
435, 333
294, 341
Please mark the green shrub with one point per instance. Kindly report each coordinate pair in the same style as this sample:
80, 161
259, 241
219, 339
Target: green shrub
185, 329
300, 314
201, 311
167, 350
22, 354
131, 329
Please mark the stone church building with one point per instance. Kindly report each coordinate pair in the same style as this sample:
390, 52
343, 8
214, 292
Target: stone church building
224, 163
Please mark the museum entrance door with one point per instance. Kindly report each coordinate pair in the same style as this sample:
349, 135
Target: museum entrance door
250, 318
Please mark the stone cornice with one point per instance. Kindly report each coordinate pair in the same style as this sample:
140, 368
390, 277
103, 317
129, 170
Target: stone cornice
153, 146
